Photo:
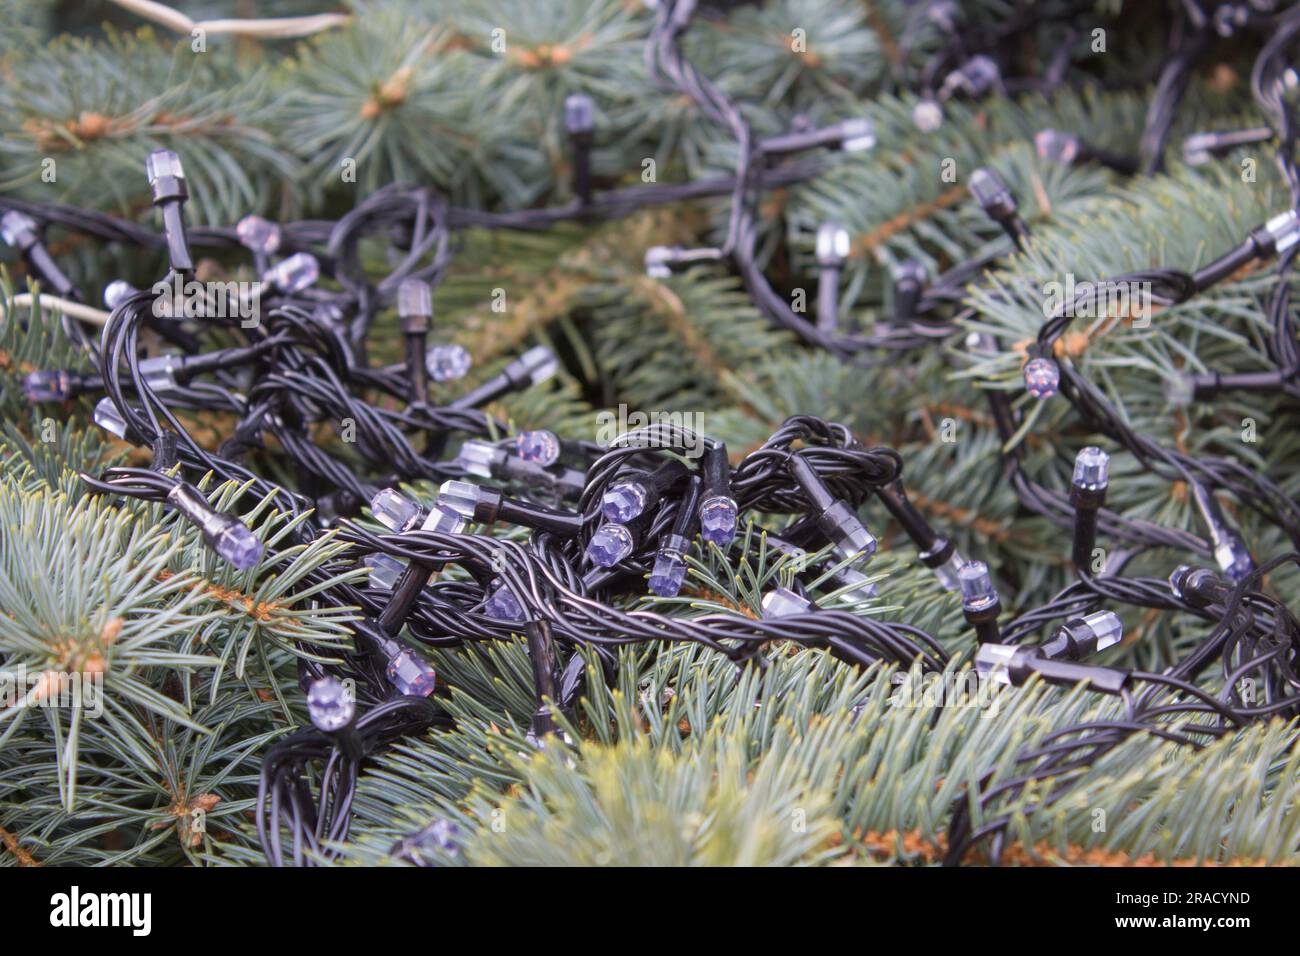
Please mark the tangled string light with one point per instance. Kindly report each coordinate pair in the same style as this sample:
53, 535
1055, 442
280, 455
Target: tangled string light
611, 521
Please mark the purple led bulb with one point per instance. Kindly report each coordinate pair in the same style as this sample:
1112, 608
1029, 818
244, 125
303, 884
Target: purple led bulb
718, 520
609, 545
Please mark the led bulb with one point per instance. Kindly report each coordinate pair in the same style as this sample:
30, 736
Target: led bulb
860, 588
384, 570
857, 135
658, 262
47, 386
948, 573
1091, 469
163, 163
927, 116
993, 662
579, 113
411, 674
460, 497
423, 848
782, 602
540, 447
718, 520
1107, 627
832, 245
258, 234
443, 520
238, 545
977, 593
1284, 229
1180, 390
393, 510
294, 274
1042, 377
503, 605
331, 704
624, 500
540, 363
609, 545
479, 457
107, 417
159, 372
17, 229
992, 193
447, 363
668, 575
117, 292
1056, 146
414, 298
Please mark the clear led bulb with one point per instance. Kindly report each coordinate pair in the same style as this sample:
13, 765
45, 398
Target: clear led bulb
331, 704
782, 602
977, 592
1091, 469
393, 510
